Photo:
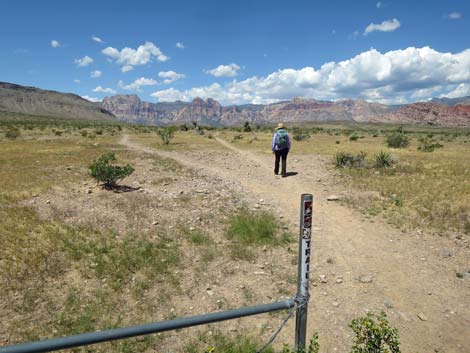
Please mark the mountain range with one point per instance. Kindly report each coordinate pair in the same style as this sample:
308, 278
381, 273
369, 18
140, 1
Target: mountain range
35, 102
439, 111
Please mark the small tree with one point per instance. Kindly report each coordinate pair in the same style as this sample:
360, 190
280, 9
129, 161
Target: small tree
109, 174
166, 134
246, 127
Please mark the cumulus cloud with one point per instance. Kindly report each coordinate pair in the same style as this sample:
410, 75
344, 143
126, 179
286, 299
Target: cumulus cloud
76, 81
97, 39
229, 70
85, 61
55, 43
104, 90
91, 99
96, 74
127, 68
180, 45
454, 16
170, 76
137, 84
391, 77
379, 4
385, 26
129, 57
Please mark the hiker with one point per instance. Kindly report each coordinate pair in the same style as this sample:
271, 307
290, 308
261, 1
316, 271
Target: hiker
281, 147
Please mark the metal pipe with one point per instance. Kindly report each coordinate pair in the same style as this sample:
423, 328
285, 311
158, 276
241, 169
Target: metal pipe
119, 333
305, 236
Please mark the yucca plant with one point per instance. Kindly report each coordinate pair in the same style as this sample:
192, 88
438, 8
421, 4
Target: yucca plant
383, 160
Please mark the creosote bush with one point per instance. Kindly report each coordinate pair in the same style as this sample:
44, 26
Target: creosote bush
397, 139
373, 334
428, 144
103, 171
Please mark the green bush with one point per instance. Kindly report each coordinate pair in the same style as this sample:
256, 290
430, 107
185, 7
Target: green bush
373, 334
353, 137
397, 139
347, 160
428, 144
166, 134
383, 160
109, 174
301, 136
13, 133
246, 127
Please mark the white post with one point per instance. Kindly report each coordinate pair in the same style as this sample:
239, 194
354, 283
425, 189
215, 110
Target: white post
303, 270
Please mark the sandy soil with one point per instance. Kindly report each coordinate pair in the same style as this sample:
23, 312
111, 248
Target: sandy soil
368, 265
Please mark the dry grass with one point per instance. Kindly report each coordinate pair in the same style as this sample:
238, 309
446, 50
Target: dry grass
423, 191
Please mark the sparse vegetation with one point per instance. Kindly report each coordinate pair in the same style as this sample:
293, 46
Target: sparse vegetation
109, 174
13, 133
347, 160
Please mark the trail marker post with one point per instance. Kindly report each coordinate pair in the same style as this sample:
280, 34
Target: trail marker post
303, 270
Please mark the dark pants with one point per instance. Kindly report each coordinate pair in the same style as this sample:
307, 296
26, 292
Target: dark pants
281, 154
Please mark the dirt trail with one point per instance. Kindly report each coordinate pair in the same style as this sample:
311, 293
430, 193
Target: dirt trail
381, 268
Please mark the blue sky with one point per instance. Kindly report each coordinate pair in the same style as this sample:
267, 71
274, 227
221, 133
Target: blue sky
239, 52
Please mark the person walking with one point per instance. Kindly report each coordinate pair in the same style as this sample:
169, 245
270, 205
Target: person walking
280, 148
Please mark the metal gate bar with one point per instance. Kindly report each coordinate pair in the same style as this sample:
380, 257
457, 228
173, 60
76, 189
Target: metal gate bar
119, 333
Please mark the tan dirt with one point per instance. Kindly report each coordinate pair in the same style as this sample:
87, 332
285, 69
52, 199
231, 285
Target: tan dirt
410, 273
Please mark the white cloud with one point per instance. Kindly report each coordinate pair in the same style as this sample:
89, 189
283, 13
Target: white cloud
97, 39
104, 90
85, 61
129, 57
96, 74
229, 70
391, 77
170, 76
55, 43
127, 68
454, 16
76, 81
137, 84
180, 45
385, 26
91, 99
379, 4
456, 91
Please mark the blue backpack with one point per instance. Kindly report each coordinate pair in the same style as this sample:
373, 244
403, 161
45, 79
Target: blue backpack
282, 141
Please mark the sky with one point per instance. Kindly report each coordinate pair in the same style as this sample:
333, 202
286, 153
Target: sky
239, 52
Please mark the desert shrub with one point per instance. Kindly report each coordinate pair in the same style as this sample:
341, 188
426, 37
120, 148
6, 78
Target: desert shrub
313, 347
237, 137
373, 334
338, 142
13, 133
301, 136
347, 160
383, 160
99, 131
103, 171
397, 139
58, 132
353, 137
184, 127
210, 136
428, 144
246, 127
166, 134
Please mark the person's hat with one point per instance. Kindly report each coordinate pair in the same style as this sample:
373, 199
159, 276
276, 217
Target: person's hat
280, 126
